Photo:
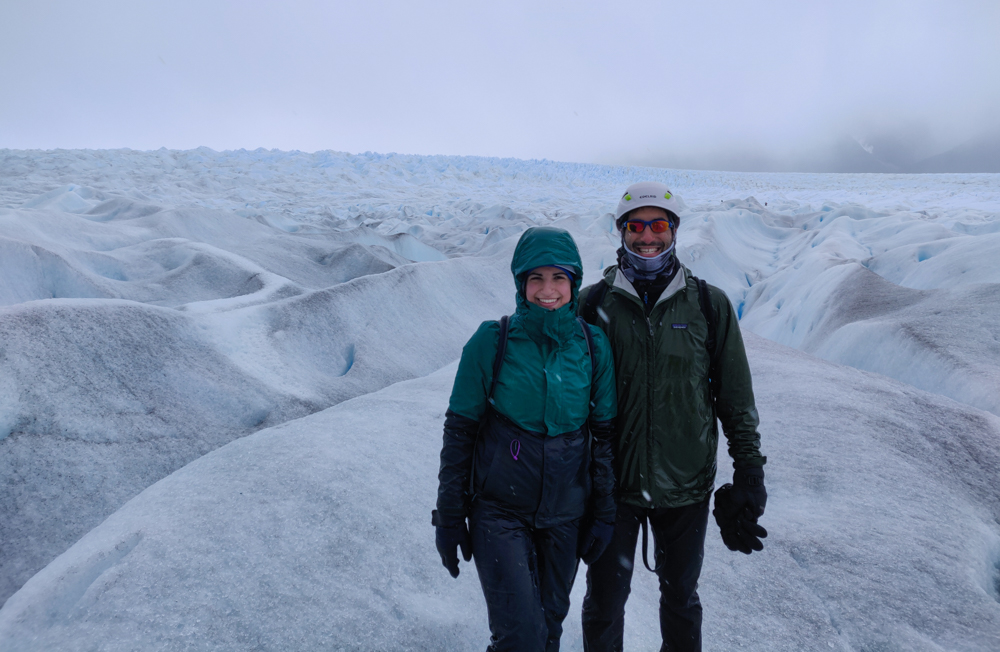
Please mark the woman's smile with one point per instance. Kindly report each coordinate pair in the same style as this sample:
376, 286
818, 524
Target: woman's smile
548, 287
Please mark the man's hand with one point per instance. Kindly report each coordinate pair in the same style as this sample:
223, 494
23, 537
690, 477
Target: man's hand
737, 523
448, 540
595, 541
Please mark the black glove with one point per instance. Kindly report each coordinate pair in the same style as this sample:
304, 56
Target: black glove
595, 541
749, 491
737, 523
448, 539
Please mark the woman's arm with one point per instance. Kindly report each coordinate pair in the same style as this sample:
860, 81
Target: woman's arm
602, 473
456, 464
604, 408
461, 424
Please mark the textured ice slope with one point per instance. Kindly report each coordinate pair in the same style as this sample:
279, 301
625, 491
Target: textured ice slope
315, 535
100, 398
155, 305
906, 295
174, 256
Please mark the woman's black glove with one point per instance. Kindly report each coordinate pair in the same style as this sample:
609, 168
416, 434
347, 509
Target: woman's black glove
595, 541
749, 491
448, 540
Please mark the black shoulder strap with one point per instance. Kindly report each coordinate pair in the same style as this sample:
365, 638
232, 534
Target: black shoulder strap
594, 299
590, 347
705, 300
497, 364
501, 352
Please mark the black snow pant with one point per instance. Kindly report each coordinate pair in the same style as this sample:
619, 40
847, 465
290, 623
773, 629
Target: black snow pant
526, 574
679, 535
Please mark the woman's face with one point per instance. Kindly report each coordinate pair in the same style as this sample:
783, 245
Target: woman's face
548, 287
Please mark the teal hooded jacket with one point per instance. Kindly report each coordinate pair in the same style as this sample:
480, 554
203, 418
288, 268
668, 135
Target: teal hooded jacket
542, 448
545, 382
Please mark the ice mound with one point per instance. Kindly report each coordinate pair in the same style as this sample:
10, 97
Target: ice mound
68, 199
101, 398
156, 305
316, 535
852, 286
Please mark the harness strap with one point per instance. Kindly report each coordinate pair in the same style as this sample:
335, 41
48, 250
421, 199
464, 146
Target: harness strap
645, 545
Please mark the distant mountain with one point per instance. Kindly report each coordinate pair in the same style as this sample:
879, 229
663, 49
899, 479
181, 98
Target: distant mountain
901, 155
850, 154
975, 155
912, 151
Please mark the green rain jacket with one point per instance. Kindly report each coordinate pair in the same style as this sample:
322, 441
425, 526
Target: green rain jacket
667, 436
530, 452
560, 398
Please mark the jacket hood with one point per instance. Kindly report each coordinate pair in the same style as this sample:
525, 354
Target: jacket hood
542, 246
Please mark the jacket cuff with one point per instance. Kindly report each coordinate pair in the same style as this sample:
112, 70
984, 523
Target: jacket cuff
602, 429
437, 520
752, 463
749, 476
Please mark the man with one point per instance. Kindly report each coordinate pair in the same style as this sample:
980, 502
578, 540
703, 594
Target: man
671, 389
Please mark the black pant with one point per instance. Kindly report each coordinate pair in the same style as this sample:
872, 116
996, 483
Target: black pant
679, 535
526, 574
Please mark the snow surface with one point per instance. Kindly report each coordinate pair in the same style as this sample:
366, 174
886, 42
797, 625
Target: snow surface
156, 306
315, 535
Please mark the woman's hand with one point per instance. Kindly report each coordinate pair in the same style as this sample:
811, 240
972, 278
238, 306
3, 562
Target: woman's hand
448, 540
596, 541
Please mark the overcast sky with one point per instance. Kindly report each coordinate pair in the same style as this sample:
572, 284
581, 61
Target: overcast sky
637, 82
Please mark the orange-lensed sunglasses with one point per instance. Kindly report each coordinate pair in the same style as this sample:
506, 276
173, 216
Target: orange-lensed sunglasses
656, 226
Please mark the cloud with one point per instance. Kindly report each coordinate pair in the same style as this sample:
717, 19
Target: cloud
627, 83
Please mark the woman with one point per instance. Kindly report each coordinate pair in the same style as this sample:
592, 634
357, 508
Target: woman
527, 458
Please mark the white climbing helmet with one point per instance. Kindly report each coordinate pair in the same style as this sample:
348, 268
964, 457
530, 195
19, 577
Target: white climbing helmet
647, 193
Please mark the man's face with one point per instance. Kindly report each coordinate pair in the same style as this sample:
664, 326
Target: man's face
647, 244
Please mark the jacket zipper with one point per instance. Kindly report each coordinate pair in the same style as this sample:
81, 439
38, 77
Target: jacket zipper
649, 412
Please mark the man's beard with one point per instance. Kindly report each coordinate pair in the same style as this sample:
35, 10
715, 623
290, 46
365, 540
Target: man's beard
642, 268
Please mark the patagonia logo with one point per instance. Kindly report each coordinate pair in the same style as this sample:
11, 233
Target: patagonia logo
682, 326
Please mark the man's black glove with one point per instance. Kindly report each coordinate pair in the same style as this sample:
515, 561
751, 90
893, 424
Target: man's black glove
749, 491
737, 523
448, 539
595, 541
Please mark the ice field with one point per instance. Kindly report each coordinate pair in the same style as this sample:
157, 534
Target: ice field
223, 378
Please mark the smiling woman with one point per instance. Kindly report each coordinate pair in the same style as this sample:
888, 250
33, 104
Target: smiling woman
527, 451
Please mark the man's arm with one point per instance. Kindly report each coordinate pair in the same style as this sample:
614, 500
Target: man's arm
735, 405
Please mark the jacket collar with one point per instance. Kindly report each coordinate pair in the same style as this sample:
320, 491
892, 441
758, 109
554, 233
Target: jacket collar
678, 283
559, 325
